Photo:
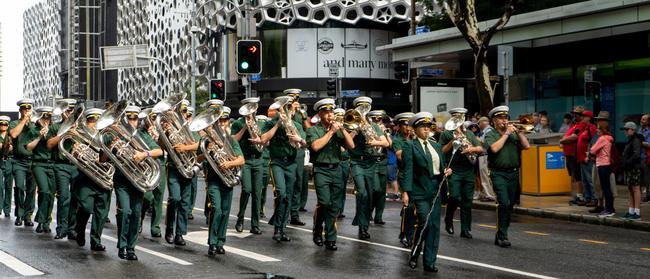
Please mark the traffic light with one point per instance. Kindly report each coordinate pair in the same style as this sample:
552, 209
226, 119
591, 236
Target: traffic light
249, 57
217, 89
592, 90
331, 87
402, 70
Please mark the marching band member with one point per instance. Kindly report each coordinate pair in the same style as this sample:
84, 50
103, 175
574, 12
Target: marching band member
378, 199
224, 121
423, 169
303, 120
503, 144
266, 162
364, 170
5, 166
42, 168
325, 141
405, 134
154, 200
460, 185
20, 131
252, 172
283, 168
345, 165
92, 199
187, 112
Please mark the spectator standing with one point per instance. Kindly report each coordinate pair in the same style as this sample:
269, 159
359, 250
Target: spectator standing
544, 125
487, 193
632, 165
645, 131
586, 165
566, 123
569, 146
602, 150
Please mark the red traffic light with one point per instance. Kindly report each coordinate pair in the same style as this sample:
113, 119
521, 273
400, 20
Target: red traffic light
218, 84
252, 49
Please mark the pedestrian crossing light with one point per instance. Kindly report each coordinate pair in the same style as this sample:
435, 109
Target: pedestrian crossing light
217, 89
331, 87
402, 71
249, 57
592, 90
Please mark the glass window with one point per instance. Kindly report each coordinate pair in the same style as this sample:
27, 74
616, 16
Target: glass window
522, 94
631, 93
273, 53
556, 94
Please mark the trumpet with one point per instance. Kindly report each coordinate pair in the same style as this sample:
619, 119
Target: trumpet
355, 119
524, 124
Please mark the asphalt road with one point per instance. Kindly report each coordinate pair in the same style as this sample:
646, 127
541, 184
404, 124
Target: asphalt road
542, 248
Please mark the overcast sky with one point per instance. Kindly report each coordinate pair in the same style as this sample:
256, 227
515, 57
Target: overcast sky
11, 20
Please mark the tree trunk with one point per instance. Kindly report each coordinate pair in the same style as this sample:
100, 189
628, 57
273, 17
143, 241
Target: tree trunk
482, 78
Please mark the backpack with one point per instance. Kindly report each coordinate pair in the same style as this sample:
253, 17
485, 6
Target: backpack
616, 161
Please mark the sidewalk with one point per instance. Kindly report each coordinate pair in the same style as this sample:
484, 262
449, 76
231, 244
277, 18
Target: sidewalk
557, 207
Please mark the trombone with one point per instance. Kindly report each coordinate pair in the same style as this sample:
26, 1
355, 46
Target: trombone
524, 124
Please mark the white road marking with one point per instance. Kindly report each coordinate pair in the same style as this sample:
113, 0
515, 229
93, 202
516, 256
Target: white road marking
201, 238
157, 254
18, 266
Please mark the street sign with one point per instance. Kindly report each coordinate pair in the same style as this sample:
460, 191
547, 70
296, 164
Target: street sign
421, 29
334, 72
124, 57
505, 60
256, 77
350, 93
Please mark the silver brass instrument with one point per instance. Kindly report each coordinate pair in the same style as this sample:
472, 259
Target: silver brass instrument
59, 110
282, 104
216, 145
453, 125
355, 119
148, 120
248, 112
144, 175
85, 151
176, 133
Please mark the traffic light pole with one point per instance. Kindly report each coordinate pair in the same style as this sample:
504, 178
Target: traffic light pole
193, 78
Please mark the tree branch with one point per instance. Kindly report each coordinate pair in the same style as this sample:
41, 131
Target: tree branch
458, 14
503, 20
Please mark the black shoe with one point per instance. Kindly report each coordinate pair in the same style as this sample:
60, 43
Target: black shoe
341, 216
108, 221
81, 240
121, 253
364, 235
59, 236
212, 250
239, 226
297, 222
220, 250
7, 215
413, 262
466, 234
190, 216
405, 242
156, 234
179, 241
449, 226
130, 256
380, 222
432, 268
502, 242
597, 209
302, 209
169, 236
318, 239
277, 236
262, 215
98, 248
46, 229
256, 230
19, 222
72, 236
331, 245
39, 228
29, 223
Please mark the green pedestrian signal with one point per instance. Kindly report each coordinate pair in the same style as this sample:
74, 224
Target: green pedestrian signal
249, 57
217, 89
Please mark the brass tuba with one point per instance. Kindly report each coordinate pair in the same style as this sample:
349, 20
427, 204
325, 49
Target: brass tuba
355, 119
85, 151
176, 133
216, 145
248, 112
452, 125
144, 175
282, 105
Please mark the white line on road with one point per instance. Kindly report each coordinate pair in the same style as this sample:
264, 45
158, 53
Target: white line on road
201, 238
157, 254
18, 266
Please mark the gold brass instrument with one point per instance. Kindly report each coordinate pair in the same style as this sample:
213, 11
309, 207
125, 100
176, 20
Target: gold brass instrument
524, 124
216, 145
176, 133
355, 119
282, 104
148, 120
453, 125
144, 175
85, 151
248, 112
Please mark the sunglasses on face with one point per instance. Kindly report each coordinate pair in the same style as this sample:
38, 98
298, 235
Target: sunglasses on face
92, 117
26, 107
46, 116
4, 124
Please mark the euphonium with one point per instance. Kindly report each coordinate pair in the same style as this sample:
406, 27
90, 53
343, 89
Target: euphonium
248, 112
85, 151
144, 175
282, 105
146, 117
176, 133
216, 145
452, 125
355, 119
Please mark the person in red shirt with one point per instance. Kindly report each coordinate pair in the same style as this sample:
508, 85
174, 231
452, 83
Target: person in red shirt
586, 164
569, 146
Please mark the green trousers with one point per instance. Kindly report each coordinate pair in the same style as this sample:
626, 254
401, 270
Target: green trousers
251, 187
154, 200
505, 187
407, 228
365, 181
7, 185
328, 193
304, 190
44, 176
94, 201
379, 192
461, 193
283, 176
65, 175
25, 188
265, 183
430, 233
195, 185
178, 203
345, 173
297, 184
220, 197
129, 204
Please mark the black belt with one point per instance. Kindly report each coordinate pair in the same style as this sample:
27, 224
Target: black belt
362, 158
326, 165
505, 169
380, 158
253, 156
42, 161
63, 162
22, 158
286, 159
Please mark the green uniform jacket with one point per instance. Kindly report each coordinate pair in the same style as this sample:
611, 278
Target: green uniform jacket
331, 152
508, 156
460, 161
20, 142
361, 148
280, 146
247, 147
41, 152
417, 170
56, 154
